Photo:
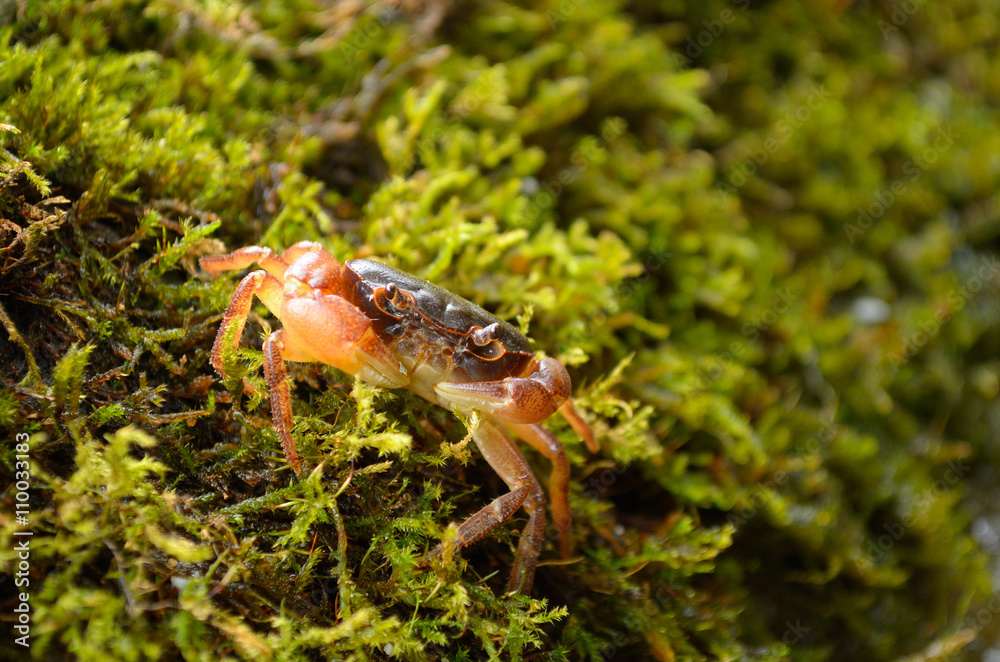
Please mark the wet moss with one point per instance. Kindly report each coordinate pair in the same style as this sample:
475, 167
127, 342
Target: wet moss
764, 240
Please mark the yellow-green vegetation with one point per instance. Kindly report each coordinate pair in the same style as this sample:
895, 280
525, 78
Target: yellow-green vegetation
764, 239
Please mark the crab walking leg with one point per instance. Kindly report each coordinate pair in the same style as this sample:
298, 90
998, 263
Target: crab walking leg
500, 451
488, 518
267, 288
243, 258
547, 444
507, 461
579, 425
275, 355
295, 251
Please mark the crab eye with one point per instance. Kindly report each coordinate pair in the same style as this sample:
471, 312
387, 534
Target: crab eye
396, 296
486, 334
486, 344
491, 351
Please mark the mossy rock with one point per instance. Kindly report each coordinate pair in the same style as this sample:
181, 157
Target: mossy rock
764, 240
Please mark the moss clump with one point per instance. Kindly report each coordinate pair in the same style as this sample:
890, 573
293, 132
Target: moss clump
779, 308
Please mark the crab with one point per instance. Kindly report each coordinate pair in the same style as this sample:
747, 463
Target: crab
395, 330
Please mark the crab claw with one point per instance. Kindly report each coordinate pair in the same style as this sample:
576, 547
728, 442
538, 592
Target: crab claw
528, 399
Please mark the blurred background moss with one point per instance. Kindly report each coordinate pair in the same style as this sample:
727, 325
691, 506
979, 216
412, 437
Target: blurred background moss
762, 236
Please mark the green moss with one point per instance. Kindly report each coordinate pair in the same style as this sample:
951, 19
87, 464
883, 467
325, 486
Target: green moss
690, 205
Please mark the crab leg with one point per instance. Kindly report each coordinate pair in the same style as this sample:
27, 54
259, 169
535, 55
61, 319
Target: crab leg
294, 251
546, 444
509, 463
243, 258
275, 355
265, 257
579, 426
267, 288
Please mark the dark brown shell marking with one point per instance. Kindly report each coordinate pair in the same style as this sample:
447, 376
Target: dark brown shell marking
416, 318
